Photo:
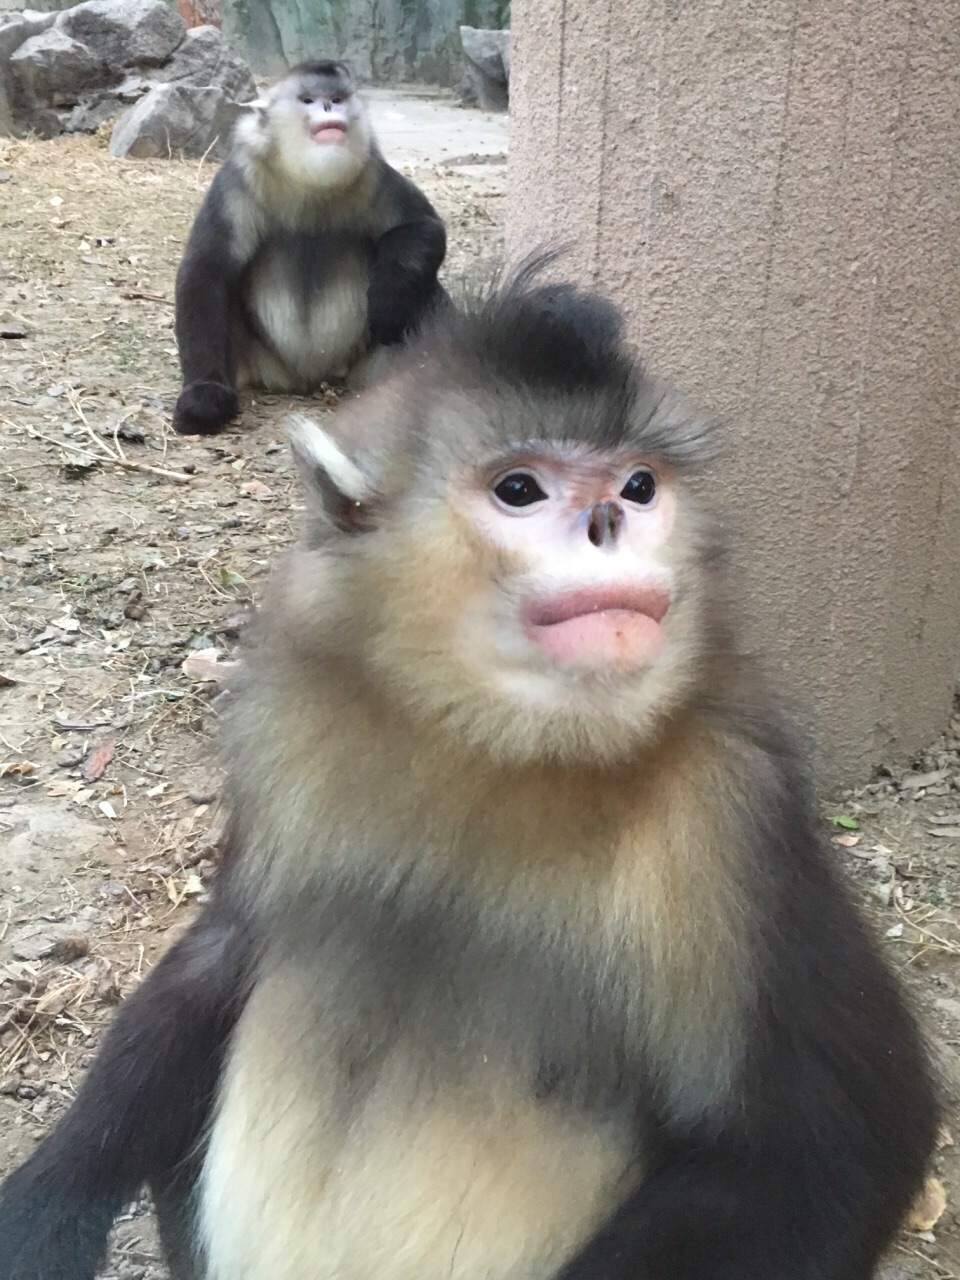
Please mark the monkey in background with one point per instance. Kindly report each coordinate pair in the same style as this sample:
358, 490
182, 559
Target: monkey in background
527, 961
310, 254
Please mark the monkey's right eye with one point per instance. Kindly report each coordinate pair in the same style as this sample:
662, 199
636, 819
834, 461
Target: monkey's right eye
306, 100
519, 489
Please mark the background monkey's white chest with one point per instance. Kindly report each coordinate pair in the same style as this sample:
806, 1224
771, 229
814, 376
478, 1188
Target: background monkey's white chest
382, 1169
308, 328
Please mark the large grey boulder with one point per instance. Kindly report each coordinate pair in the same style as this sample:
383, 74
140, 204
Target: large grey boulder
52, 70
205, 58
486, 68
126, 33
175, 119
88, 64
15, 29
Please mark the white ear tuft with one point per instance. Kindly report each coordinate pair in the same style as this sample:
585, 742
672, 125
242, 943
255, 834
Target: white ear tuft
315, 450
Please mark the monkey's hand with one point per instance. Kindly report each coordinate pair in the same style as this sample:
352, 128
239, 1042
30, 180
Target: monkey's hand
203, 408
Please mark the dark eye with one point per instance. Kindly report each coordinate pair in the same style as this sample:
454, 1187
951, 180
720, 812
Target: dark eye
641, 488
306, 100
336, 101
519, 489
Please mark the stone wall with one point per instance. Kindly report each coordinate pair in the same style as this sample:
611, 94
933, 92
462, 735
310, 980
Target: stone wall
385, 41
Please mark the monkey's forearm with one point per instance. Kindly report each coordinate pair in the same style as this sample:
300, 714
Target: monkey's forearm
711, 1218
403, 282
206, 326
139, 1111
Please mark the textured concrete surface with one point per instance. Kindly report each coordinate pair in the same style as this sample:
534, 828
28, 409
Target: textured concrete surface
771, 188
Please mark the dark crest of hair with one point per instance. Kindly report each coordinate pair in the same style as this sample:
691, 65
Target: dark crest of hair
323, 67
533, 336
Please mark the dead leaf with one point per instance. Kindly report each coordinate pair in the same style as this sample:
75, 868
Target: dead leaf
209, 665
928, 1208
257, 489
17, 768
107, 809
135, 607
101, 753
945, 819
6, 682
948, 833
848, 842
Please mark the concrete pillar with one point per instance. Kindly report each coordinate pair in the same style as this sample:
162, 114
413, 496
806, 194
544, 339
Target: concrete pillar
771, 190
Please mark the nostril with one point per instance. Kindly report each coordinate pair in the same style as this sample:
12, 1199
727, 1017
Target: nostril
605, 523
595, 527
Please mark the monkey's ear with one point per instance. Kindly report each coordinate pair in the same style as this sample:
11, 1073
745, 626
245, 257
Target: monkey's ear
344, 493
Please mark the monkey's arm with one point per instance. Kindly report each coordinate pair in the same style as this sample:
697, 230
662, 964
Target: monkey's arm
796, 1180
206, 318
138, 1113
403, 278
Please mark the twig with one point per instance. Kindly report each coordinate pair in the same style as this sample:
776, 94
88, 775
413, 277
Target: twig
104, 451
147, 297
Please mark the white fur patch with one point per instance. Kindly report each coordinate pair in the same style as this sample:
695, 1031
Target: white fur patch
312, 444
473, 1180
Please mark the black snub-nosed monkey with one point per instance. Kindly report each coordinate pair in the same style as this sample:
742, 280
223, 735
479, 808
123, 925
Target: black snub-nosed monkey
528, 962
309, 258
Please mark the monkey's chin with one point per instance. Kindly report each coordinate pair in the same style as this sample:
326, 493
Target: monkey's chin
611, 640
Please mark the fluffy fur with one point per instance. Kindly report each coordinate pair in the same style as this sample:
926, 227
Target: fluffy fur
561, 986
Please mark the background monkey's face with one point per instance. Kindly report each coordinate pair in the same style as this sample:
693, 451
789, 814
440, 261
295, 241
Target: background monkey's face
313, 125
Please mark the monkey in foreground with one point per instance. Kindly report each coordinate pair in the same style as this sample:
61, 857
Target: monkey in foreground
310, 254
527, 962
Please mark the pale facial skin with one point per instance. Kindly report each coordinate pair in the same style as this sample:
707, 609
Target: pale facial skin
326, 116
588, 533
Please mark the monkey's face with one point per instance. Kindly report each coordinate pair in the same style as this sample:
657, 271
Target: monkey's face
545, 602
314, 126
586, 535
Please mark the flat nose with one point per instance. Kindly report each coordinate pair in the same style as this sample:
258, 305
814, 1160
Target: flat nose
605, 523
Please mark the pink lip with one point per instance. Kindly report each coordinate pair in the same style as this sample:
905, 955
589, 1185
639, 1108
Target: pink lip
326, 127
548, 611
598, 628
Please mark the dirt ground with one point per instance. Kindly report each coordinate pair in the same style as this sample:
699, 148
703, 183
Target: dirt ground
126, 549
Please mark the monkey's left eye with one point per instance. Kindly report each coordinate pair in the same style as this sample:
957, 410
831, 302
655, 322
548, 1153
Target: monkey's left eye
641, 488
306, 100
336, 101
519, 489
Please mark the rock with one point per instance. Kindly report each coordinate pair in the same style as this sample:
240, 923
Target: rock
487, 67
14, 30
126, 33
52, 70
86, 65
485, 49
95, 109
205, 58
176, 119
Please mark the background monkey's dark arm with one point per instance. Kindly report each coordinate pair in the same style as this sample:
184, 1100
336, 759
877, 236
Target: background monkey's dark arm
205, 318
403, 284
139, 1111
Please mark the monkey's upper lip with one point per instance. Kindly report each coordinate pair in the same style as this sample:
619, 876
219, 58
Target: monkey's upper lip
548, 611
